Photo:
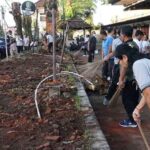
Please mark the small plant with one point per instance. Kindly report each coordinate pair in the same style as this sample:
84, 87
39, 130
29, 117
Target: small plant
87, 140
77, 102
69, 68
71, 80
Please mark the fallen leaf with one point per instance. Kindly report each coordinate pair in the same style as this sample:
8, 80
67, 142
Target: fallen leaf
43, 145
52, 138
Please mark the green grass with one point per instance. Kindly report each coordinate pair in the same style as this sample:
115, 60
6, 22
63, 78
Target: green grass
77, 102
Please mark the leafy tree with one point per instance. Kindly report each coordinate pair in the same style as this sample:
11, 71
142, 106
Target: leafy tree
27, 25
17, 17
74, 8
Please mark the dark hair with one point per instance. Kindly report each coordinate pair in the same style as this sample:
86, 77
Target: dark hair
127, 30
131, 52
109, 29
103, 32
139, 32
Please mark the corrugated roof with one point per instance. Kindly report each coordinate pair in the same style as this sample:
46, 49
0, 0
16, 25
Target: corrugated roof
141, 4
125, 2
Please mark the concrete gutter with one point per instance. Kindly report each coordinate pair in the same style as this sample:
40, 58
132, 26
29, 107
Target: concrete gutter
97, 138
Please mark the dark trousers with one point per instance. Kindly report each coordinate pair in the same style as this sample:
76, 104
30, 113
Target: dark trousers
105, 69
91, 56
110, 67
26, 48
113, 86
130, 97
50, 47
85, 51
20, 49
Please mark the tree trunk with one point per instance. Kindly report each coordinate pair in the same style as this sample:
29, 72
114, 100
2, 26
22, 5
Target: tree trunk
27, 22
17, 17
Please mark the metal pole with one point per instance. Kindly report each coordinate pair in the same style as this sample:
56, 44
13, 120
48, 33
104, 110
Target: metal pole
4, 27
54, 41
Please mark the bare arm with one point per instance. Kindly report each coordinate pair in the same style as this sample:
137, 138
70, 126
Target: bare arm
110, 55
146, 94
110, 49
145, 100
138, 109
123, 71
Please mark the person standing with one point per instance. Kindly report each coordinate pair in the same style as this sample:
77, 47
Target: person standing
115, 74
50, 42
129, 57
106, 50
145, 45
92, 47
138, 39
130, 93
13, 48
26, 43
19, 42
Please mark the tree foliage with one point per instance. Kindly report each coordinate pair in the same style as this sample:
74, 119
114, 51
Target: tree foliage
77, 8
27, 25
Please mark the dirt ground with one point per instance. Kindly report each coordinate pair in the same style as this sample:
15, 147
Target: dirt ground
61, 127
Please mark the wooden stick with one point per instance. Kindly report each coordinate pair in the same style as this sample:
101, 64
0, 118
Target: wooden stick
143, 136
114, 99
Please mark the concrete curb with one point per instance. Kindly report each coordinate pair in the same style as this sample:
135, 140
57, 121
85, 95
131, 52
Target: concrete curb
97, 138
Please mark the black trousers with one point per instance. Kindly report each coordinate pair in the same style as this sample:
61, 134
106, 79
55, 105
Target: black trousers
50, 47
20, 49
130, 97
108, 68
113, 86
91, 56
105, 69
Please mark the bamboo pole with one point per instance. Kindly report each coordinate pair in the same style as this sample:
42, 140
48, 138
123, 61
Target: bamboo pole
143, 136
54, 41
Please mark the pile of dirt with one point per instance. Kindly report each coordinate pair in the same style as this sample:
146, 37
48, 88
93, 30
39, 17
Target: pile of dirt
61, 126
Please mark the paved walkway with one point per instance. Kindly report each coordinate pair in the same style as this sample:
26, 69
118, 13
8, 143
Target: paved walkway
119, 138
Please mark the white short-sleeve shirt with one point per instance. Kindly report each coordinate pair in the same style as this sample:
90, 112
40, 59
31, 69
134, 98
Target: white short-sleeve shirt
141, 70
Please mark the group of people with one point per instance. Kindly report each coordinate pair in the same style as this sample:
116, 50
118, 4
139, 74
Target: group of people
87, 44
19, 44
126, 63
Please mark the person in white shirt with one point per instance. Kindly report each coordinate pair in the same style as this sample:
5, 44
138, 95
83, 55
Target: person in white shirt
145, 45
13, 48
50, 41
129, 58
19, 42
138, 39
26, 42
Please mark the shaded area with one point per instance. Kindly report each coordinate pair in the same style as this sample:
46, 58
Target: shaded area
119, 138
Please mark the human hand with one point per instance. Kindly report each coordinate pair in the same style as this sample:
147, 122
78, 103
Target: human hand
105, 58
136, 115
121, 84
